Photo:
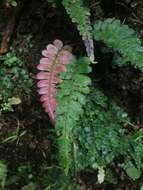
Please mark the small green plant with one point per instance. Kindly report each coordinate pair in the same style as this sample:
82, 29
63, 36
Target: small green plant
134, 156
12, 3
8, 104
14, 81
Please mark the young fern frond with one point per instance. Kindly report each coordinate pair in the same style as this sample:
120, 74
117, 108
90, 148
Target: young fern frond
70, 98
122, 39
55, 57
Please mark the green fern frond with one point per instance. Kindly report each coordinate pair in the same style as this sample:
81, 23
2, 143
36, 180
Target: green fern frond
79, 14
122, 39
70, 98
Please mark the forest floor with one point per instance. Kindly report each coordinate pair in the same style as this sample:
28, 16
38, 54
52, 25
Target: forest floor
25, 134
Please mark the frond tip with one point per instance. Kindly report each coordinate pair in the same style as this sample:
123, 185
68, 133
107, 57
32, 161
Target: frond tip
53, 62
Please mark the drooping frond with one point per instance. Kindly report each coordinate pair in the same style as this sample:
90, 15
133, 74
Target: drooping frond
80, 15
122, 39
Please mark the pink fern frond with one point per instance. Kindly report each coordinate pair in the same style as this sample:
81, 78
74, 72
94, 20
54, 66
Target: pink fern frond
53, 62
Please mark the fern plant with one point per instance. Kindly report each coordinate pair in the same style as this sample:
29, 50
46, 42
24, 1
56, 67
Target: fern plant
90, 128
134, 156
122, 39
70, 98
99, 135
73, 85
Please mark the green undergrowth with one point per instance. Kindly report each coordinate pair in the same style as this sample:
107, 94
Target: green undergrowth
102, 137
48, 178
92, 130
15, 81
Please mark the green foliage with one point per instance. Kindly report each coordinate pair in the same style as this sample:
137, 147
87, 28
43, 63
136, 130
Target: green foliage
48, 178
132, 171
3, 174
79, 13
21, 174
134, 156
122, 39
7, 105
30, 186
98, 138
71, 98
14, 81
56, 179
12, 3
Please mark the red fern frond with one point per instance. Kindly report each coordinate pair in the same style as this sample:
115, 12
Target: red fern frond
55, 57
